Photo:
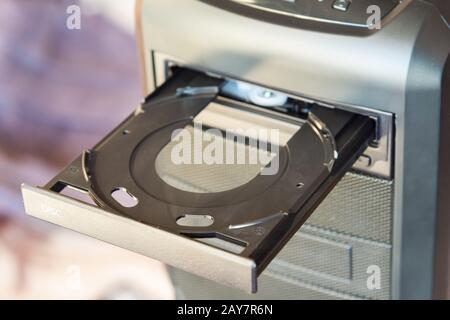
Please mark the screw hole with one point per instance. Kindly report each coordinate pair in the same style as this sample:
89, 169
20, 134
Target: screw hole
300, 185
126, 132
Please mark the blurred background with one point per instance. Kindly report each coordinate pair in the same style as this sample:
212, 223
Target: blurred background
61, 90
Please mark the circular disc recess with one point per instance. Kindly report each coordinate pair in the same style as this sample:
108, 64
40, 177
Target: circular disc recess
143, 171
301, 162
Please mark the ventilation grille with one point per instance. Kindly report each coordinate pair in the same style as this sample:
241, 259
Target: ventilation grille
329, 258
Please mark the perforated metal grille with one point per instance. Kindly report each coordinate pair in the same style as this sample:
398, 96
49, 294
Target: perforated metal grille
340, 253
359, 206
271, 286
335, 261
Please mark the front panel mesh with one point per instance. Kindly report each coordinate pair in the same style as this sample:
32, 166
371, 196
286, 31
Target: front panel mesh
360, 206
340, 253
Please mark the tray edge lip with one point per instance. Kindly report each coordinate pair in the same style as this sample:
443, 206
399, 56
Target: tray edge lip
240, 272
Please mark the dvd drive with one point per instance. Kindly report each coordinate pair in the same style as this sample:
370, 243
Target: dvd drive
204, 181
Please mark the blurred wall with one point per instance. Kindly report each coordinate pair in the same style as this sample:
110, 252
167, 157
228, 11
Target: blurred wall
61, 90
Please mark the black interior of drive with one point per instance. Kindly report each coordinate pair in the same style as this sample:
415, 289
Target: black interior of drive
233, 206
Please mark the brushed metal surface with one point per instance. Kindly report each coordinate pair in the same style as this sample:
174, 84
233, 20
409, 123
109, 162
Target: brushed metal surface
192, 256
397, 70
